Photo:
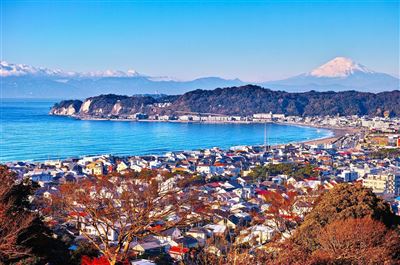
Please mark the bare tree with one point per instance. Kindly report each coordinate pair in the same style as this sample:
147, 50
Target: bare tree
128, 206
358, 241
287, 209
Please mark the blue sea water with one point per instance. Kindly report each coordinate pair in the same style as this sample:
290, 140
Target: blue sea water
27, 132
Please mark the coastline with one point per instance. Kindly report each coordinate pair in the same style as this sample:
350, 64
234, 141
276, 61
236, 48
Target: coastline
326, 135
336, 131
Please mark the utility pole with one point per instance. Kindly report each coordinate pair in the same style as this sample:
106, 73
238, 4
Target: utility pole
265, 137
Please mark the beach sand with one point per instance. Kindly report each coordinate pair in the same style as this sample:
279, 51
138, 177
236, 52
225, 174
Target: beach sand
337, 133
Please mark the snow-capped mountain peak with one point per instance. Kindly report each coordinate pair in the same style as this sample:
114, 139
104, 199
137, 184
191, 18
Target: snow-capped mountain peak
110, 73
9, 69
339, 67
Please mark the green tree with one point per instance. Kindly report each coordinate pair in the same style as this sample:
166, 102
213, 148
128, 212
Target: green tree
296, 170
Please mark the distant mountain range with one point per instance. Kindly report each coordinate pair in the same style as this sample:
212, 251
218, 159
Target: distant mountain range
245, 100
24, 81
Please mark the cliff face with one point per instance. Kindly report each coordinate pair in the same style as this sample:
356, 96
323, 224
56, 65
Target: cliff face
114, 105
245, 100
105, 106
66, 108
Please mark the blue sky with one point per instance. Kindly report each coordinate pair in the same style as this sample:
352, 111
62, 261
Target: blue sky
250, 40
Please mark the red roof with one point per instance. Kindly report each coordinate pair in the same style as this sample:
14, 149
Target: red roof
214, 184
81, 214
261, 191
155, 228
178, 250
51, 223
287, 217
95, 261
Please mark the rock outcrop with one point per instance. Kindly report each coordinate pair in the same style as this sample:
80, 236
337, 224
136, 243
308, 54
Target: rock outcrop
66, 108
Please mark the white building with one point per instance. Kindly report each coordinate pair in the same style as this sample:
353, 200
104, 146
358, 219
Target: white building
262, 116
388, 183
112, 235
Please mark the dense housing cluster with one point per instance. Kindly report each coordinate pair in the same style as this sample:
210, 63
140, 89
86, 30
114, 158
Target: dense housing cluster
245, 196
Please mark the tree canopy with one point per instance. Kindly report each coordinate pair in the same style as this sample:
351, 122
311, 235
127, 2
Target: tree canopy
342, 202
296, 170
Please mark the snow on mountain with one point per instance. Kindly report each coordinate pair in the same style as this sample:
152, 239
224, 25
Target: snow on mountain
338, 74
110, 73
9, 69
19, 80
339, 67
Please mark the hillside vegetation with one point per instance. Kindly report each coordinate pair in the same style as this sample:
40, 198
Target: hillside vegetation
245, 100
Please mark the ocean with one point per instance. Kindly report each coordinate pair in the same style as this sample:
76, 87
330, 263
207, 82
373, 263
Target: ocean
28, 133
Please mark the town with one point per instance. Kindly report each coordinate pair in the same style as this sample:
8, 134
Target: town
189, 132
385, 122
236, 186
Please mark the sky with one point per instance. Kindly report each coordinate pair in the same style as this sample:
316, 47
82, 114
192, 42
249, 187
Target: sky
250, 40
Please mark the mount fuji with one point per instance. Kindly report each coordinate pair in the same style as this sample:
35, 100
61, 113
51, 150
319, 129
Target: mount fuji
339, 74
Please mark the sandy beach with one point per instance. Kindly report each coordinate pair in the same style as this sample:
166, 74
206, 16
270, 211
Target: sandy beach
337, 133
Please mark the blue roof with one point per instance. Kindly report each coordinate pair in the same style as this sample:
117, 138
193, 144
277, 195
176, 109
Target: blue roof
73, 247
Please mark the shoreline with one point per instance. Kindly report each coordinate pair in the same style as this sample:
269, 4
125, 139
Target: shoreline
329, 135
332, 128
335, 133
